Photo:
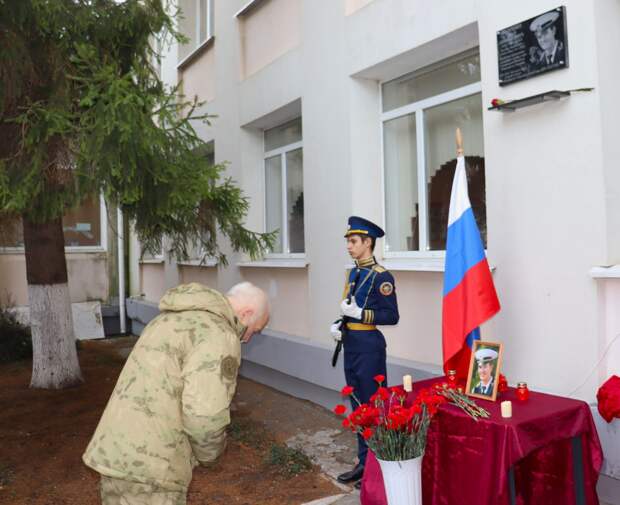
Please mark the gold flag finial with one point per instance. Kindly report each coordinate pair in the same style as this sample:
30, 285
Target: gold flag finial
459, 142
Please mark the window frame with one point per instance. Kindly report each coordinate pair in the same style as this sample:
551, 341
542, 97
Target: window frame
417, 109
209, 22
197, 257
103, 237
199, 46
281, 151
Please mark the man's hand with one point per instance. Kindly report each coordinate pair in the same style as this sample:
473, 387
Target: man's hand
351, 309
334, 329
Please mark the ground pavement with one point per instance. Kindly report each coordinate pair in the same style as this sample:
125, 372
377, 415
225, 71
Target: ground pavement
301, 424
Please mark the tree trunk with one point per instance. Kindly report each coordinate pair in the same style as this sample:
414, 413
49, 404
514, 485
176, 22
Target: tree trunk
54, 361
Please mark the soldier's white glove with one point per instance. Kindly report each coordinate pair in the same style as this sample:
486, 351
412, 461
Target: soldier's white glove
351, 309
334, 329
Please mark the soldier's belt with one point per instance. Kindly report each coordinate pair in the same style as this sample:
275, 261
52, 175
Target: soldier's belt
361, 327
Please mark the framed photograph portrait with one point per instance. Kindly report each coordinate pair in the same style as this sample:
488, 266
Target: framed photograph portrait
484, 366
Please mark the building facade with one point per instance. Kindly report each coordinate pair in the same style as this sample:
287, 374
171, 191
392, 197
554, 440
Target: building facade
328, 108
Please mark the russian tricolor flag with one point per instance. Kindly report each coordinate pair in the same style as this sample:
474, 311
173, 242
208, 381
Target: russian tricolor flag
469, 296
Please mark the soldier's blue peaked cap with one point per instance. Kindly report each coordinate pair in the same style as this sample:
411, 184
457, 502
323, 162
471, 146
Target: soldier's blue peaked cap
360, 226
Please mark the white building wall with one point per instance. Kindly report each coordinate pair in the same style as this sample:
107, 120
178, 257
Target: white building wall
545, 207
551, 181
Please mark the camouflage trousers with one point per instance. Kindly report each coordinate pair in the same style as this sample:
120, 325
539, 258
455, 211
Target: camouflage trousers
123, 492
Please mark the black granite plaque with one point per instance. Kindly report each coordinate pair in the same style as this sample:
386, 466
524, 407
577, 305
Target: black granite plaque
533, 47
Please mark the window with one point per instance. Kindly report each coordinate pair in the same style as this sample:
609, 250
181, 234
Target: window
284, 187
196, 24
421, 112
11, 233
149, 257
83, 227
204, 20
158, 48
197, 252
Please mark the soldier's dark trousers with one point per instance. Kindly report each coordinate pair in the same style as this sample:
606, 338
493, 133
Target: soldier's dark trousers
360, 368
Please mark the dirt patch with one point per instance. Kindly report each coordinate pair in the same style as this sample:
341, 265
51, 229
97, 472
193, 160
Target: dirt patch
44, 433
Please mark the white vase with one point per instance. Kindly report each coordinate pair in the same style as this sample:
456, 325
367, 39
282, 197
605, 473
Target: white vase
402, 481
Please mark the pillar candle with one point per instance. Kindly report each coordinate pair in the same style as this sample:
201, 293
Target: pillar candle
506, 409
407, 383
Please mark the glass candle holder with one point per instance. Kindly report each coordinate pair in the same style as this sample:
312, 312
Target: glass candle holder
452, 379
502, 384
523, 393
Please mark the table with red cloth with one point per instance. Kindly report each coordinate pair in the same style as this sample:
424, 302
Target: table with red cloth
548, 453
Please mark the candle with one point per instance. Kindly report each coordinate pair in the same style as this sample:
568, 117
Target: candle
452, 379
506, 409
523, 393
407, 383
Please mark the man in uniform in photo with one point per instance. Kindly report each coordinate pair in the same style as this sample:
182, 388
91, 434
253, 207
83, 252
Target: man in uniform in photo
551, 50
485, 358
369, 300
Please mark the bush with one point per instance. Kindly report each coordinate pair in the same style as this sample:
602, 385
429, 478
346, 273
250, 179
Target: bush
248, 432
289, 461
15, 338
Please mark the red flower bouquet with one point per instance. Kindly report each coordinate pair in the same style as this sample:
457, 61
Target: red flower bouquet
393, 429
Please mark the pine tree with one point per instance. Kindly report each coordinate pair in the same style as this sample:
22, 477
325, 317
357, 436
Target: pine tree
83, 113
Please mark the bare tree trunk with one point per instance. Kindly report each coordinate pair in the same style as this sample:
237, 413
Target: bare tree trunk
54, 362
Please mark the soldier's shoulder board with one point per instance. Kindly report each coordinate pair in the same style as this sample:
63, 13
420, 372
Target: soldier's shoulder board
379, 269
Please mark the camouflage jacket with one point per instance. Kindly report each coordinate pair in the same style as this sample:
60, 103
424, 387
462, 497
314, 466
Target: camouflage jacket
170, 406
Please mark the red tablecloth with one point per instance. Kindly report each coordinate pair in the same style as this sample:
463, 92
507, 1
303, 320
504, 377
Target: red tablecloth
467, 462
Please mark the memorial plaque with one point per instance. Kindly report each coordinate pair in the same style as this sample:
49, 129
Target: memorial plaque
533, 47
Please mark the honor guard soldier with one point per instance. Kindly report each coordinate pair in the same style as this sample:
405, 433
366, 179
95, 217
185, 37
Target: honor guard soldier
369, 300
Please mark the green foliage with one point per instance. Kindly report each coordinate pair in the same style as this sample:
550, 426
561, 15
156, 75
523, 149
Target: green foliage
286, 460
84, 112
289, 461
248, 432
15, 339
6, 476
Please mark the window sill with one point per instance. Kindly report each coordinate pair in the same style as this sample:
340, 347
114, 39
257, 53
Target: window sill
198, 263
187, 61
275, 263
74, 250
414, 265
154, 261
68, 250
247, 8
417, 264
605, 272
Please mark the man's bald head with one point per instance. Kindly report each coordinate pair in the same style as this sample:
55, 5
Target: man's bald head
251, 306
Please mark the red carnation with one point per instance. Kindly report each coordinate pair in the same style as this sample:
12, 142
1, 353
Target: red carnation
340, 409
367, 433
608, 397
347, 390
346, 423
383, 393
379, 378
399, 391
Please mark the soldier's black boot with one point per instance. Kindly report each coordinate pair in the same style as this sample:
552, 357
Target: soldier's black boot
353, 475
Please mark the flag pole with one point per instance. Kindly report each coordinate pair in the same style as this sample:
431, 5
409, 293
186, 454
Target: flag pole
459, 143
